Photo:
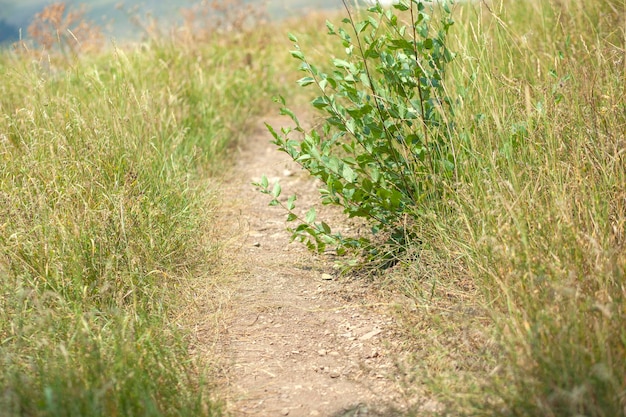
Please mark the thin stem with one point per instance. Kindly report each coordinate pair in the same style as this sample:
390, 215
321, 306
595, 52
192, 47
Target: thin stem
419, 91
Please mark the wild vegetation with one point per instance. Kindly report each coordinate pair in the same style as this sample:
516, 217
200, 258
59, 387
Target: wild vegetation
386, 139
105, 215
539, 214
505, 166
499, 195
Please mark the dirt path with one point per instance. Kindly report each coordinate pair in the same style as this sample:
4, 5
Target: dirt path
299, 341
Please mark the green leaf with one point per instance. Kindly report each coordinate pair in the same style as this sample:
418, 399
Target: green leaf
402, 44
361, 26
350, 125
331, 28
396, 198
402, 6
292, 37
297, 54
291, 202
284, 111
277, 190
348, 174
311, 246
279, 99
367, 185
310, 215
303, 82
371, 53
291, 217
341, 63
301, 228
320, 102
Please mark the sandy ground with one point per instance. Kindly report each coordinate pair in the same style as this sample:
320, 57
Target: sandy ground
299, 341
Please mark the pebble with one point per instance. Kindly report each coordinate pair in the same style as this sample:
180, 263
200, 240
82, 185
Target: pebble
371, 334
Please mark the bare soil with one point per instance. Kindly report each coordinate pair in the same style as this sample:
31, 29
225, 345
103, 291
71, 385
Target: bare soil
300, 340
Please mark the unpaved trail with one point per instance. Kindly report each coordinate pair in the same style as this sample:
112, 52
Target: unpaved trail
299, 340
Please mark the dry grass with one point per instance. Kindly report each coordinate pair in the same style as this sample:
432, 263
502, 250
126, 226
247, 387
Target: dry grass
61, 30
516, 297
105, 212
518, 284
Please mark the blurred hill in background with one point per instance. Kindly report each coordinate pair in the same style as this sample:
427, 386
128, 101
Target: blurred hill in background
115, 17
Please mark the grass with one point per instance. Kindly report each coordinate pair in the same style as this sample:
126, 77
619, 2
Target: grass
103, 221
519, 285
543, 202
535, 227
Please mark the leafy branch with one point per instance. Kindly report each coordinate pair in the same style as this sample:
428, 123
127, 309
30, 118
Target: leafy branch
385, 140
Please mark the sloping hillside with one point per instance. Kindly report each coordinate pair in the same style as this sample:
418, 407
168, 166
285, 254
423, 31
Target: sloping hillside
114, 15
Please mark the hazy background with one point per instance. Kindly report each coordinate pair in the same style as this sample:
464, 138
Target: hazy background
17, 14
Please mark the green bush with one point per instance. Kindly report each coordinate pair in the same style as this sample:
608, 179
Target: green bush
384, 146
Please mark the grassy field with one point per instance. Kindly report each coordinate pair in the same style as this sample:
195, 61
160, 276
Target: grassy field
519, 287
104, 218
523, 281
517, 278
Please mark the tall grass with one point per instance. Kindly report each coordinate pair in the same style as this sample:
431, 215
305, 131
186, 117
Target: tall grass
539, 213
518, 283
104, 218
519, 278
